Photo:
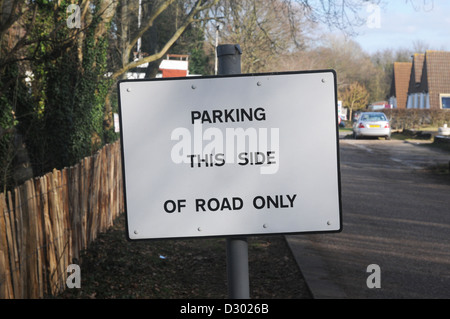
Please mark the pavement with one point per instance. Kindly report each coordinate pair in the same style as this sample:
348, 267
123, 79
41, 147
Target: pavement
313, 268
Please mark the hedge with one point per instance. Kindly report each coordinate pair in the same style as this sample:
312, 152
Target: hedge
405, 119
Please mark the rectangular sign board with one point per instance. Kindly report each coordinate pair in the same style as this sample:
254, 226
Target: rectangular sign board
233, 155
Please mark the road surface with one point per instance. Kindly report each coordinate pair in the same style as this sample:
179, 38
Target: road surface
395, 215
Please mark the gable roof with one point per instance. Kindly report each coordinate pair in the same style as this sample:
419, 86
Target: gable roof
430, 74
436, 73
436, 76
400, 82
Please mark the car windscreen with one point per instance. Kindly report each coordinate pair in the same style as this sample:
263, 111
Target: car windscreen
373, 117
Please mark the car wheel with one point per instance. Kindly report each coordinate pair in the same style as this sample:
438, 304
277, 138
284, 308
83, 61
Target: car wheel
387, 137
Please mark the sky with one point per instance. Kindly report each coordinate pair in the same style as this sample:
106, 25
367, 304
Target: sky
401, 23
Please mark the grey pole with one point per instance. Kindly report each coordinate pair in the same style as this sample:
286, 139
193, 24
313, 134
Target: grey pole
229, 59
237, 268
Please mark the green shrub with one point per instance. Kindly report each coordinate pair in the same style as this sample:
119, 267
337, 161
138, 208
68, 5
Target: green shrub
407, 119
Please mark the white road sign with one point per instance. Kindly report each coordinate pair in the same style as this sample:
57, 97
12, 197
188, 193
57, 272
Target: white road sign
230, 155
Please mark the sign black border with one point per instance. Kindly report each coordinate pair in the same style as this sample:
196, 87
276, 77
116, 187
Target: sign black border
194, 78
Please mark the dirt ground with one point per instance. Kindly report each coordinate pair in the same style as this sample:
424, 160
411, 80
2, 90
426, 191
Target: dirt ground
114, 267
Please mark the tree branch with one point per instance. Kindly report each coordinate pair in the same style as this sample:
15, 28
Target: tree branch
149, 24
198, 7
14, 15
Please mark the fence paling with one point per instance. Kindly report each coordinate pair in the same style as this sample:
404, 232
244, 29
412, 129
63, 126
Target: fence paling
50, 219
20, 243
94, 204
74, 201
24, 245
5, 290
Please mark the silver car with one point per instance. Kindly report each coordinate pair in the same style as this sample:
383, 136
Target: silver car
372, 124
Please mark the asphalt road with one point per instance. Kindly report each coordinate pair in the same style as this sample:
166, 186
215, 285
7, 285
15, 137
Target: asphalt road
395, 215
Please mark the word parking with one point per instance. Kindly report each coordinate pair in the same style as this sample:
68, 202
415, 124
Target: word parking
224, 116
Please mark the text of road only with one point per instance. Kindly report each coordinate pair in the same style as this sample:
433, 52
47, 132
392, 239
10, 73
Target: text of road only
230, 203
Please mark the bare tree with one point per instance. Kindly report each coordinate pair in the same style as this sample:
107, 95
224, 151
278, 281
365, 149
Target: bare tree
192, 10
344, 15
355, 97
264, 30
420, 46
273, 32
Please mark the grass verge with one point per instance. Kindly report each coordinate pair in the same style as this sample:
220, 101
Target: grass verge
114, 267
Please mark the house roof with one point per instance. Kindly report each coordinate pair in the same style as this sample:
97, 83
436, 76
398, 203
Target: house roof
174, 65
436, 75
400, 82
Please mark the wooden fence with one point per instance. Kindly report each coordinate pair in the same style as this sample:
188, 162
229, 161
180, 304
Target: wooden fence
46, 222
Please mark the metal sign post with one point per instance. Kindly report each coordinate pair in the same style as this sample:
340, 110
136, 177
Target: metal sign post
229, 58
